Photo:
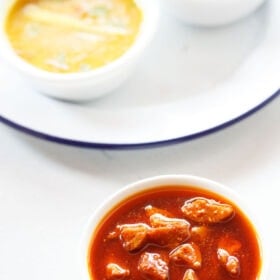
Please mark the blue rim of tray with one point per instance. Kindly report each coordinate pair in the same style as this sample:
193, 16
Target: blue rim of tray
112, 146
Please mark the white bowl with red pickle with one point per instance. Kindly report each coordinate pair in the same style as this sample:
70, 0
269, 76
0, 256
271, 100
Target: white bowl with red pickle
173, 227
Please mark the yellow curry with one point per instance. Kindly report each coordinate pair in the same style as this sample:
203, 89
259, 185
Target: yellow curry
67, 36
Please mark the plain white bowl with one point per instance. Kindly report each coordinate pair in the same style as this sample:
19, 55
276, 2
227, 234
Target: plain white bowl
87, 85
156, 183
211, 12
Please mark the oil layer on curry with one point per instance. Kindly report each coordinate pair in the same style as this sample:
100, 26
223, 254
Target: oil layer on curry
175, 233
66, 36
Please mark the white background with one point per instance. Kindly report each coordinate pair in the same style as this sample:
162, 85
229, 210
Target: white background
48, 191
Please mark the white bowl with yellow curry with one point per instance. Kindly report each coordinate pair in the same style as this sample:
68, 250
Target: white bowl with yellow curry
76, 49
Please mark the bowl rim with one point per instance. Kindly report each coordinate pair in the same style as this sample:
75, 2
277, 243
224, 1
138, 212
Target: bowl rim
150, 13
157, 182
231, 11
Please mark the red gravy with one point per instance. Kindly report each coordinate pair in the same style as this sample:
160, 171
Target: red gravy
233, 235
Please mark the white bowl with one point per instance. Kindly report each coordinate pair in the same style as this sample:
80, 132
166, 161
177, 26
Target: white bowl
87, 85
157, 183
211, 12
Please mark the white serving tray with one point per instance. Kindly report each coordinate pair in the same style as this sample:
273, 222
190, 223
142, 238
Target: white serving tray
191, 82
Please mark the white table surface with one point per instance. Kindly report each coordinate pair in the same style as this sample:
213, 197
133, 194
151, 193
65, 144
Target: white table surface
48, 191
